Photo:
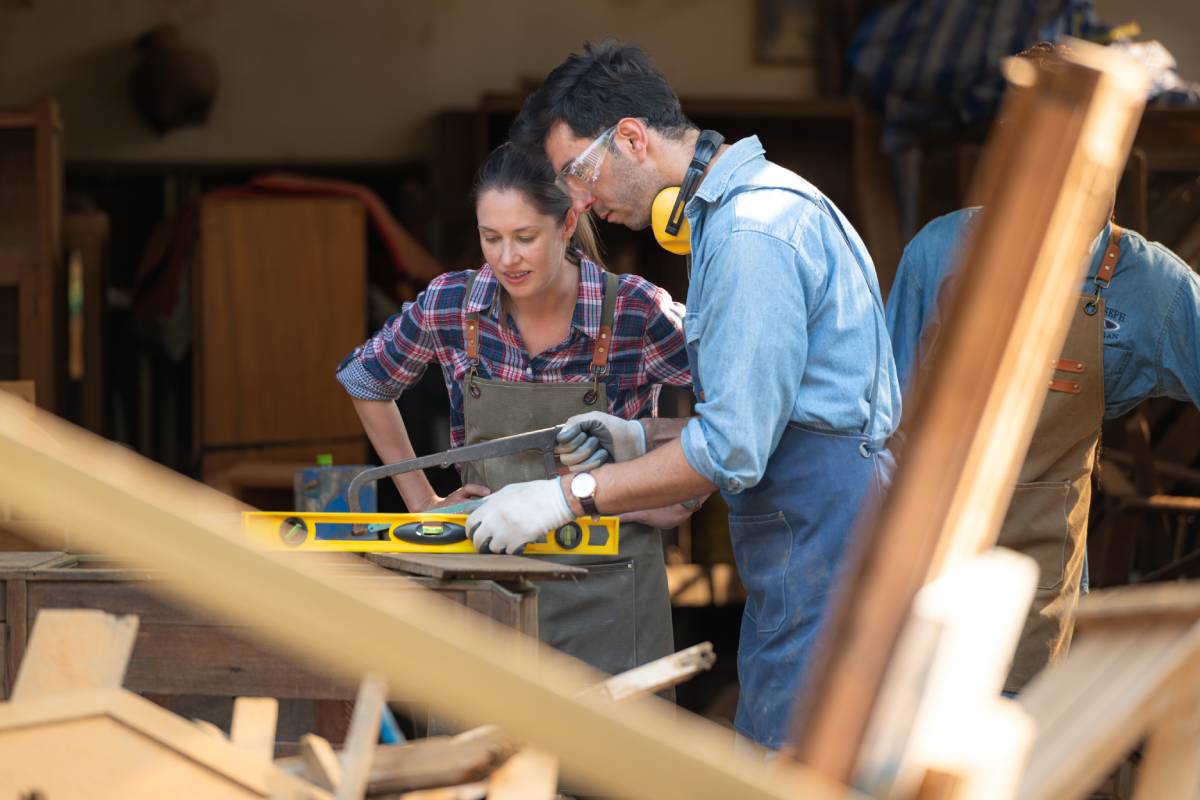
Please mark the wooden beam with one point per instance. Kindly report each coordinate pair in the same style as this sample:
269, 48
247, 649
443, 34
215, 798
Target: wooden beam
253, 726
1171, 769
361, 738
1139, 605
529, 775
1046, 180
462, 665
1090, 710
76, 649
657, 675
321, 765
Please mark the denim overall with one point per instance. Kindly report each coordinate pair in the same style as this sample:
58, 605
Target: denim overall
790, 533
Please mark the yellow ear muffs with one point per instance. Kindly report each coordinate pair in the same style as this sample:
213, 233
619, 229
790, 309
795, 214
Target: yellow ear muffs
665, 204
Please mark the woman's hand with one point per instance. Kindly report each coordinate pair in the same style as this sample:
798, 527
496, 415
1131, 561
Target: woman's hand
469, 492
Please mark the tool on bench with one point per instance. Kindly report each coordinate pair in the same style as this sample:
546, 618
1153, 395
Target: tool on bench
430, 532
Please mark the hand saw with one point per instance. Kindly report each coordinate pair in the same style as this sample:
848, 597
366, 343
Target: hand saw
413, 533
542, 440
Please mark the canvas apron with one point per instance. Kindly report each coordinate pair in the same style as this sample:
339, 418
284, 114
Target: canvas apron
790, 533
1048, 516
619, 616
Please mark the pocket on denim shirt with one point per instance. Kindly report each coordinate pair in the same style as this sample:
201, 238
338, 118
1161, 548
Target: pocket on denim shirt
762, 546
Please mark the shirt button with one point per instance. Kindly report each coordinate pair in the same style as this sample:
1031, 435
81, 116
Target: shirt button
529, 371
734, 485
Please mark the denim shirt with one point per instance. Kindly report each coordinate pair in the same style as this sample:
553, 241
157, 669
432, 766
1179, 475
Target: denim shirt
785, 317
1151, 309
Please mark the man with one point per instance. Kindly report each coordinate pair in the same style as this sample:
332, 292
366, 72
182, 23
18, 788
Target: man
1134, 335
795, 385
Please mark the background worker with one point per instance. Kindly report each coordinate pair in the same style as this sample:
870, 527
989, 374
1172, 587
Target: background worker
792, 371
1135, 334
520, 347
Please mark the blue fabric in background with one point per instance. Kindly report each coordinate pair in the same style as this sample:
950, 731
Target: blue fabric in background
933, 66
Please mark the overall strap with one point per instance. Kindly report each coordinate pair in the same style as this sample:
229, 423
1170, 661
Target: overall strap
603, 347
1108, 265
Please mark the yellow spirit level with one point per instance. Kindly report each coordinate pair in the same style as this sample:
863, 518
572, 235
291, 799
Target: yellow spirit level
331, 532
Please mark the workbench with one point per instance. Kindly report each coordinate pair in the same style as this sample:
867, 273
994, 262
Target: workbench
180, 652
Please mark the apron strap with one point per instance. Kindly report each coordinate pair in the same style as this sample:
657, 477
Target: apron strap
1108, 265
603, 347
471, 335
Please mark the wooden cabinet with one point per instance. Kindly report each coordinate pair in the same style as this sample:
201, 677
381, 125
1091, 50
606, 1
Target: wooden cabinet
280, 299
32, 297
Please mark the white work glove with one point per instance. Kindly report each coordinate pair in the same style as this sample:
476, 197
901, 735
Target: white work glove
588, 440
517, 514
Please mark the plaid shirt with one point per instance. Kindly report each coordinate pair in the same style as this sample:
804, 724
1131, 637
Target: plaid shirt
647, 344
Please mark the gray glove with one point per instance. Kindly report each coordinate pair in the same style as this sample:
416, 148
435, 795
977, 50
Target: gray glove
588, 440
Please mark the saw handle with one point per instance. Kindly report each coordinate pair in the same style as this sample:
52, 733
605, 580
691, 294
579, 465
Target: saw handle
411, 533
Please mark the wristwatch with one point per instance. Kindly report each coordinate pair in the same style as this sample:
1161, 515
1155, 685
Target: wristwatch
583, 489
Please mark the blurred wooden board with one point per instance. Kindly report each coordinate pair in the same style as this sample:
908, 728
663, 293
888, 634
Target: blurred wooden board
482, 566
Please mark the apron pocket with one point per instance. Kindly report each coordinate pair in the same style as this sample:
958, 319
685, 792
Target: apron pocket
595, 619
1036, 526
762, 547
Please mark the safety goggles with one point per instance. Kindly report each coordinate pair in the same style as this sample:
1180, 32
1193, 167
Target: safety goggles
579, 175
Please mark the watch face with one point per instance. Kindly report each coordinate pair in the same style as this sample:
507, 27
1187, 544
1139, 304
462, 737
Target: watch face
583, 485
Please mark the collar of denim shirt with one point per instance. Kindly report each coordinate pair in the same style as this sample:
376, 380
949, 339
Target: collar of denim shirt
721, 173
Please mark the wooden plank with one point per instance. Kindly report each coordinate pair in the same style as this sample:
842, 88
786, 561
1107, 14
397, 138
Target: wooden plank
1046, 178
463, 667
1140, 605
1074, 751
657, 675
361, 739
1171, 768
436, 761
466, 791
477, 566
75, 650
75, 761
529, 775
22, 389
253, 726
321, 764
18, 560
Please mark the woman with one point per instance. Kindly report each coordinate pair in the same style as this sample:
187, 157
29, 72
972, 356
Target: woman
535, 310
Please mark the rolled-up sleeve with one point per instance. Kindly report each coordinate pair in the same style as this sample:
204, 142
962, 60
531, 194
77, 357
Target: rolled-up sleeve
751, 338
393, 359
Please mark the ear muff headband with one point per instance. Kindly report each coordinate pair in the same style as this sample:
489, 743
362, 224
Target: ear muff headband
666, 215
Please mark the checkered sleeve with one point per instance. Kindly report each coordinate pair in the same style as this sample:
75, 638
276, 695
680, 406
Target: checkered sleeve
664, 351
395, 357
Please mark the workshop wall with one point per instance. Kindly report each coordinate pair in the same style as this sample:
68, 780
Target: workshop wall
349, 80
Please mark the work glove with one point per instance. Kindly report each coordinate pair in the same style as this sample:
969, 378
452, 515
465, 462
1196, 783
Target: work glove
518, 514
588, 440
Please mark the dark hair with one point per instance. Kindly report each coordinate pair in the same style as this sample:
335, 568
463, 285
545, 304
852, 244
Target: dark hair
530, 173
592, 90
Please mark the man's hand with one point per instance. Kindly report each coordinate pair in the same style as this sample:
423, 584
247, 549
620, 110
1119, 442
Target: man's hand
517, 514
588, 440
